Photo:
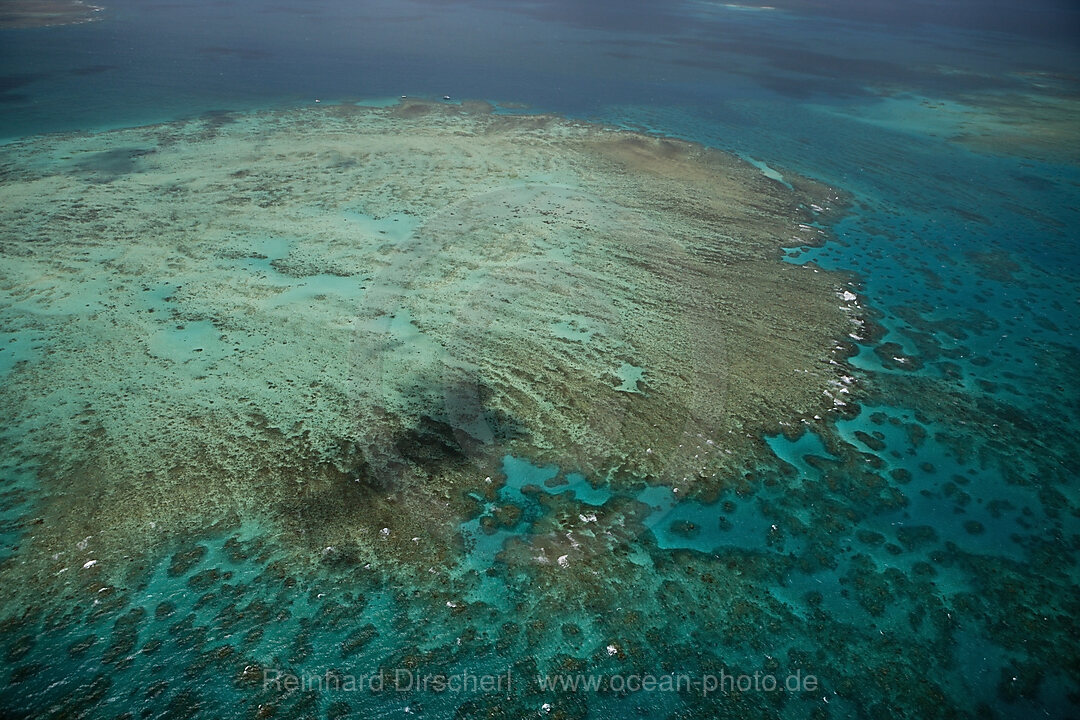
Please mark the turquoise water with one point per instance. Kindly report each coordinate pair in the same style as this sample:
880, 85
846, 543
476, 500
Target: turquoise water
916, 554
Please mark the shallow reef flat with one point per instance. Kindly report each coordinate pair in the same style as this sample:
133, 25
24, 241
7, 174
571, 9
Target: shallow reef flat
337, 321
1036, 123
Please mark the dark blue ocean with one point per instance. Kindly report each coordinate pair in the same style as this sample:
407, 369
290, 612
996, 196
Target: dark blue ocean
919, 561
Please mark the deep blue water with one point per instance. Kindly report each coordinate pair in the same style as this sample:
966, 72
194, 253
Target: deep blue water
965, 251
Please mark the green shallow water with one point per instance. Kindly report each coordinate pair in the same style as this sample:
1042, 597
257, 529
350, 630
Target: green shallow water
398, 388
266, 433
260, 465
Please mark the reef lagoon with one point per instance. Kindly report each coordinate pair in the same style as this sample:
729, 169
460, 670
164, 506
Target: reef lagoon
544, 360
